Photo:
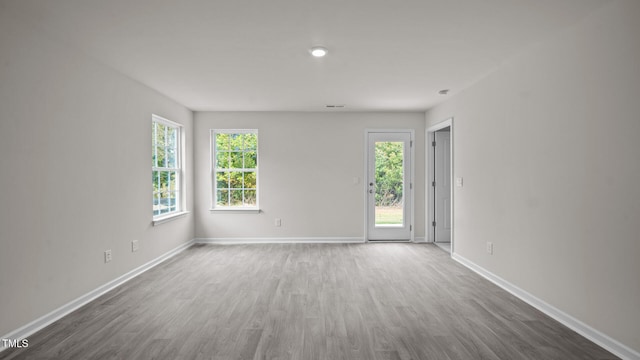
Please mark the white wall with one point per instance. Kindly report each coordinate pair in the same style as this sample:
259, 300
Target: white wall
307, 165
75, 174
549, 149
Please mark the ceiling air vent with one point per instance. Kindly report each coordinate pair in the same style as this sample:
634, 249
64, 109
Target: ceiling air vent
334, 106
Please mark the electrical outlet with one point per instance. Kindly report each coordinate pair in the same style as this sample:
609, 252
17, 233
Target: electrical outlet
107, 256
489, 248
278, 222
134, 246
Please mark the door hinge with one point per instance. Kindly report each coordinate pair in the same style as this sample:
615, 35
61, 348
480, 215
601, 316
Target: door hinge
410, 227
433, 183
410, 185
411, 143
433, 224
433, 143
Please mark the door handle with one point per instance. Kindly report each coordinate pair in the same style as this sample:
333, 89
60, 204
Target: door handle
370, 191
370, 184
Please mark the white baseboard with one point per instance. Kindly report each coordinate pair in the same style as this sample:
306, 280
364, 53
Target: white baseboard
419, 239
281, 240
569, 321
40, 323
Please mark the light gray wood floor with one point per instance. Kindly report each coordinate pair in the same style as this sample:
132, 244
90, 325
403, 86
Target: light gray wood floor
308, 301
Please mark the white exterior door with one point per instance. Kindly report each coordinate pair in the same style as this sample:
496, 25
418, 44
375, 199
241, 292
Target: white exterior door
389, 188
442, 186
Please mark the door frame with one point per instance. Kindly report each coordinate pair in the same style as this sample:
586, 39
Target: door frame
412, 180
430, 209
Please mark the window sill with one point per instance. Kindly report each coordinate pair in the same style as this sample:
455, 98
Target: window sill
236, 211
166, 218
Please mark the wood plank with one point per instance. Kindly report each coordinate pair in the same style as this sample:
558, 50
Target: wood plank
308, 301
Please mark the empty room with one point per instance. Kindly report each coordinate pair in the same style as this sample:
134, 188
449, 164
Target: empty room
306, 179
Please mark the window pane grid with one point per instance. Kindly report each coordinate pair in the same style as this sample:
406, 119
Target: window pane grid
235, 168
166, 170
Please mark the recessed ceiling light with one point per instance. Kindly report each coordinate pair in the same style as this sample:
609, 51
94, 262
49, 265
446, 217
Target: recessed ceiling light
319, 51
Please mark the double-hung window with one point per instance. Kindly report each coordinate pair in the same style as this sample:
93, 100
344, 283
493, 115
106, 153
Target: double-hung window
235, 169
166, 167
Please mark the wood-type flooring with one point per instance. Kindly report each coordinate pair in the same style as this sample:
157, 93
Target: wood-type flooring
381, 301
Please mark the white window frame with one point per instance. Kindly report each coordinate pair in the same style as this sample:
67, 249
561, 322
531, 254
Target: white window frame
241, 209
179, 190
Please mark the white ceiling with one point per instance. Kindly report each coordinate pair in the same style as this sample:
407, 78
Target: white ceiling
252, 55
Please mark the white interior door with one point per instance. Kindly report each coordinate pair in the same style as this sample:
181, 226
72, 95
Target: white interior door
442, 188
389, 189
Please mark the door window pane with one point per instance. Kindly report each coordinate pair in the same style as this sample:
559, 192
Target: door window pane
389, 181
